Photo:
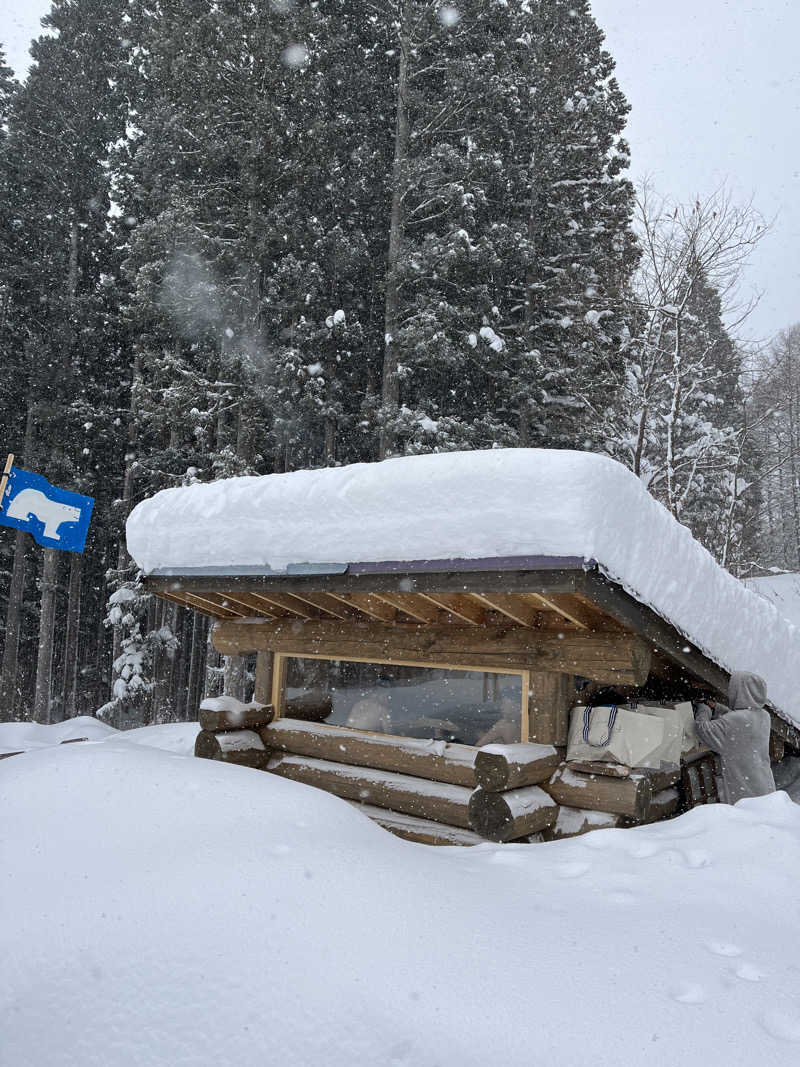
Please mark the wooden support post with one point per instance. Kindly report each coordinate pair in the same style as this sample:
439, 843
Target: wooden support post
279, 670
777, 748
263, 688
551, 697
515, 814
502, 767
448, 804
4, 476
621, 796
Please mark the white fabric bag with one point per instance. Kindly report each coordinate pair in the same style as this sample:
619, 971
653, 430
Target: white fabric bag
611, 734
686, 713
669, 751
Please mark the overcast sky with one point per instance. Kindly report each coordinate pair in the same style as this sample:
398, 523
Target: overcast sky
715, 92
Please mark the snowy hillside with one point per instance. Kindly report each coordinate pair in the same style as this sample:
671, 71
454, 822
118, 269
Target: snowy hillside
160, 910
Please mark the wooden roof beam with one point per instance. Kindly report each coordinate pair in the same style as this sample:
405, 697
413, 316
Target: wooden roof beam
622, 659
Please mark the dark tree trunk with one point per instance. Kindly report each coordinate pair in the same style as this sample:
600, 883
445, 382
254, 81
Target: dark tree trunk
44, 661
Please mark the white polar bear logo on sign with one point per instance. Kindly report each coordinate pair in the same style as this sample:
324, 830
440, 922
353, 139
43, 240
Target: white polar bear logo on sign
31, 503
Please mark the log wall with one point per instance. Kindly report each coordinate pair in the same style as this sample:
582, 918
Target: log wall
438, 793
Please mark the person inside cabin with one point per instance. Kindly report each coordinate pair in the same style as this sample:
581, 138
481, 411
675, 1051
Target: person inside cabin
506, 731
740, 735
373, 711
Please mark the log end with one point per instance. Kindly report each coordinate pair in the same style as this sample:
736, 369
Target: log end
489, 815
491, 771
206, 745
245, 717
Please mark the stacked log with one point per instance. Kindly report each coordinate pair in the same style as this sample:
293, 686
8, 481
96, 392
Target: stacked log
436, 792
603, 795
502, 767
511, 815
437, 761
215, 718
242, 747
509, 803
629, 796
436, 801
228, 733
573, 822
413, 828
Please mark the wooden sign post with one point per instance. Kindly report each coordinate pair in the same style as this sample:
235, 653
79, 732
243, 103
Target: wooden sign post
4, 476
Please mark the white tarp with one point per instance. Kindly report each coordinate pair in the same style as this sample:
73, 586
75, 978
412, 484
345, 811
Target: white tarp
474, 505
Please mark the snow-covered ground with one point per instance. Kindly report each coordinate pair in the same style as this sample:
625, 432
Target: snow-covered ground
23, 736
158, 910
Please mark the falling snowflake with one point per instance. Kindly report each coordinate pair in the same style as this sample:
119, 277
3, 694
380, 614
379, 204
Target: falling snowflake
294, 56
449, 16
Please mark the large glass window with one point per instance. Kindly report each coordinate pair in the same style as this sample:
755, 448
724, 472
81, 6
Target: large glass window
468, 706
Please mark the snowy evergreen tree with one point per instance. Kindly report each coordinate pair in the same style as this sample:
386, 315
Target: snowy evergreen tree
516, 242
61, 271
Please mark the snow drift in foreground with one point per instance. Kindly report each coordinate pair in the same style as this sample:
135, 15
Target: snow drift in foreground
158, 910
23, 736
474, 505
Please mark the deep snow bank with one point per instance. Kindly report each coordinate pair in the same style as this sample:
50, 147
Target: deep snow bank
474, 505
23, 736
158, 910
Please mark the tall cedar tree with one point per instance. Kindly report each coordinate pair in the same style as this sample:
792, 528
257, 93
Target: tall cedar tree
61, 277
510, 245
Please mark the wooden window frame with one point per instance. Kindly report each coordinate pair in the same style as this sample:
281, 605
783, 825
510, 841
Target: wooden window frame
280, 666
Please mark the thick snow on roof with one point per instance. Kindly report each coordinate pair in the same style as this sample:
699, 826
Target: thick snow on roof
160, 910
477, 505
782, 590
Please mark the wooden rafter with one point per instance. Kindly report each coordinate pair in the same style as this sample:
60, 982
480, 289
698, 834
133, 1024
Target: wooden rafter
328, 604
206, 604
263, 605
251, 605
291, 604
370, 605
413, 605
460, 604
566, 607
513, 607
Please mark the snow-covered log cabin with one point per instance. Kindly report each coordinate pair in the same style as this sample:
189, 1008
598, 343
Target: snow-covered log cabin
426, 628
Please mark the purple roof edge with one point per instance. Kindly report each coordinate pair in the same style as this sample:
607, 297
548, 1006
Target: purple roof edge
488, 563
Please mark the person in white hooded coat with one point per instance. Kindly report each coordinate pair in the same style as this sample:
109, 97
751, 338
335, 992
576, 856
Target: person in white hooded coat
740, 734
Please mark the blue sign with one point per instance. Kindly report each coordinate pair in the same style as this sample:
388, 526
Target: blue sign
55, 517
